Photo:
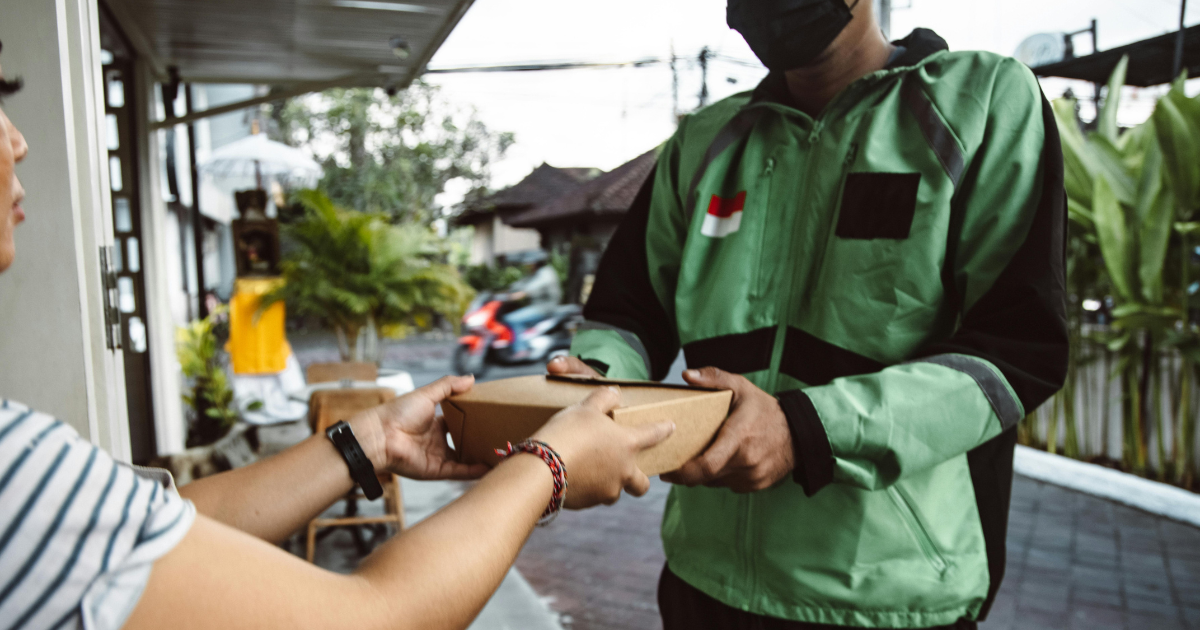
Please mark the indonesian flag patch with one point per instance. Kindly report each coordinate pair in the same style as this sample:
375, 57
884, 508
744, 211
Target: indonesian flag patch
724, 216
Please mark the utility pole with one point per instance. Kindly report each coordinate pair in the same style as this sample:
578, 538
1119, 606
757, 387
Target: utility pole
1178, 67
705, 53
674, 85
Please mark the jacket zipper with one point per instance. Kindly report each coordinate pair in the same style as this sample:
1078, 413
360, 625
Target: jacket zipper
924, 540
758, 290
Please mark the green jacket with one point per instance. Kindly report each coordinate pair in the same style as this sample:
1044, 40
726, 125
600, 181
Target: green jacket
891, 270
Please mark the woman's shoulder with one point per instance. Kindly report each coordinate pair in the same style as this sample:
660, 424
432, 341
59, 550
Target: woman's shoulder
79, 529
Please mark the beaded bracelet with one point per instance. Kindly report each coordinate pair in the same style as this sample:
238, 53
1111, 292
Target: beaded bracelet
557, 468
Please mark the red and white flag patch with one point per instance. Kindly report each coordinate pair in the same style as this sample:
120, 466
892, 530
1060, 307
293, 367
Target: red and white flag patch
724, 216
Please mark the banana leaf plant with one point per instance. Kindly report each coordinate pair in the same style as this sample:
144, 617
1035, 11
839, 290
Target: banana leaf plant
1177, 122
1128, 192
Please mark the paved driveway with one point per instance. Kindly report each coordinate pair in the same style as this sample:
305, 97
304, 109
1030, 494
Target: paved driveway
1074, 561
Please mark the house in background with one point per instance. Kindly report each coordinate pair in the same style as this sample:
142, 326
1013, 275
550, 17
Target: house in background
494, 235
581, 221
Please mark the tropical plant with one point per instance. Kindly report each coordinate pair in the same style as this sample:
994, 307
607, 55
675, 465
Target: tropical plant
360, 274
209, 398
1128, 192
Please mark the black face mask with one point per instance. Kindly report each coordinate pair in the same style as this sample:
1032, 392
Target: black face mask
788, 34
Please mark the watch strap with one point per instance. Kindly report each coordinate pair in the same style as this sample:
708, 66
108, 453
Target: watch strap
361, 469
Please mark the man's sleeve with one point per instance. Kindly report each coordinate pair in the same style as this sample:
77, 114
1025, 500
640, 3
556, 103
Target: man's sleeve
1009, 353
629, 330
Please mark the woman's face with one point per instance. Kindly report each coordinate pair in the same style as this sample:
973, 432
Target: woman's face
12, 151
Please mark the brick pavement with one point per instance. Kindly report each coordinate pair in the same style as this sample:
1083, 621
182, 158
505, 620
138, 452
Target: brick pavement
1075, 562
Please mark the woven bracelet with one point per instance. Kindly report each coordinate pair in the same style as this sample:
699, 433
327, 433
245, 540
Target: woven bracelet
557, 468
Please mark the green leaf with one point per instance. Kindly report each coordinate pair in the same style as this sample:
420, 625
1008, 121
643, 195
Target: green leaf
1154, 239
1114, 238
1188, 227
1077, 162
1108, 113
1175, 120
1112, 163
255, 405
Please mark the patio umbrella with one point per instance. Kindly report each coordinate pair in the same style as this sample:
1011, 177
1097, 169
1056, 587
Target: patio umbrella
258, 156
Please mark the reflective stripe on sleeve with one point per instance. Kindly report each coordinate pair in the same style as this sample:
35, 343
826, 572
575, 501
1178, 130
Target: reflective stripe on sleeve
940, 139
1006, 406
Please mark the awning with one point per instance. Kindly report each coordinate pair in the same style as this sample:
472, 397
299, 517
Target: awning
288, 43
1150, 61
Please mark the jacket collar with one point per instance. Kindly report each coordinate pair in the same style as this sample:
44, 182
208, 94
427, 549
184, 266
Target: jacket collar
911, 50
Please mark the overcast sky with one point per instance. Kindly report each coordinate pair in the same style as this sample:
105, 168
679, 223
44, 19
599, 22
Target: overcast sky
603, 118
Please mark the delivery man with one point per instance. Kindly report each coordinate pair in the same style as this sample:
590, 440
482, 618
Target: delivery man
868, 249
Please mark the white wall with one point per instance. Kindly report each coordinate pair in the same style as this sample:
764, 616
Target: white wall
52, 347
508, 239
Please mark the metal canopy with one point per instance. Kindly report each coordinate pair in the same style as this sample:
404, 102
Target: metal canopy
1150, 61
288, 42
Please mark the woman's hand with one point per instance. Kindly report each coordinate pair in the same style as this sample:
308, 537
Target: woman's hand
407, 437
600, 455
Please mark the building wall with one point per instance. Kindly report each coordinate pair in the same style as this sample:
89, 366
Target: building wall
494, 238
53, 351
482, 251
507, 239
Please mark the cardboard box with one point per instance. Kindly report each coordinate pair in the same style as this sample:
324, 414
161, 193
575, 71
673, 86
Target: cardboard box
513, 409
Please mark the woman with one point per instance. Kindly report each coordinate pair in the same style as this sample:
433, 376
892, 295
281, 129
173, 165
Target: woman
86, 541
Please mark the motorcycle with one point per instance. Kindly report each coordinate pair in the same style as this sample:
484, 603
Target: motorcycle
489, 340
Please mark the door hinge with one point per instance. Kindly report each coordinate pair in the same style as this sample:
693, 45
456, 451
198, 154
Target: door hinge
112, 316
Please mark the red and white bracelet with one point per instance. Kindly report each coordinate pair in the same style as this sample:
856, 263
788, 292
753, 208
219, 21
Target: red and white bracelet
557, 468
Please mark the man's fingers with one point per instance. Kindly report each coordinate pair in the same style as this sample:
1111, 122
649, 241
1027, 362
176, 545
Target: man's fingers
638, 485
648, 435
707, 466
570, 365
446, 387
603, 399
713, 377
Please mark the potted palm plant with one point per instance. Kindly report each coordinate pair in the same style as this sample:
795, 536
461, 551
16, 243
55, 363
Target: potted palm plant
360, 274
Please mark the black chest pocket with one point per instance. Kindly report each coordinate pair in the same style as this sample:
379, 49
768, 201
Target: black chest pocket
878, 205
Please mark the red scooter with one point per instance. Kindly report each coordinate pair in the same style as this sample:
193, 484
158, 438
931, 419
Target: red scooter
488, 339
483, 331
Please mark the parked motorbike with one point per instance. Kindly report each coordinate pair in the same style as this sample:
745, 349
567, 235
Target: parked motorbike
489, 340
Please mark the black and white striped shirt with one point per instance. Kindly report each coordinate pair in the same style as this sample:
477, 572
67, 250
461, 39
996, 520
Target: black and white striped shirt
78, 530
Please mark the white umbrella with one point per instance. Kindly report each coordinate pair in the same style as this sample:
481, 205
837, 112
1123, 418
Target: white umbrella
257, 156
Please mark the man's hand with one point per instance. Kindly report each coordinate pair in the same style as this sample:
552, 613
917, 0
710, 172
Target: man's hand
570, 365
406, 437
753, 449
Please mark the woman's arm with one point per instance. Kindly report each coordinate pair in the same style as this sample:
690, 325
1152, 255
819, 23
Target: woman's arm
436, 575
273, 498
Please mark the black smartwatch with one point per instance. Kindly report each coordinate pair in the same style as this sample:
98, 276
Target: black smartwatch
361, 469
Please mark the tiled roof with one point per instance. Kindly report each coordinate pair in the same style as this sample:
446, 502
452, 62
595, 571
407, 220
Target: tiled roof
543, 184
611, 193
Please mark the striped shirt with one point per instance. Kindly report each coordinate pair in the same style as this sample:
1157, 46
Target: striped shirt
78, 530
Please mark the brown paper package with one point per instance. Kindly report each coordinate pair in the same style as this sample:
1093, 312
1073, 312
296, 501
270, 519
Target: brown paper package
511, 410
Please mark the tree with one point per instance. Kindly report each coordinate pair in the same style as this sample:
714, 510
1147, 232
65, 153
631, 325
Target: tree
391, 154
